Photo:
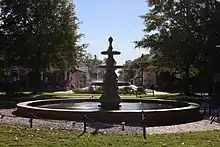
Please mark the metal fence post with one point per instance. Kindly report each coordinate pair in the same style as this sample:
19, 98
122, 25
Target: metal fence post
143, 124
31, 120
84, 122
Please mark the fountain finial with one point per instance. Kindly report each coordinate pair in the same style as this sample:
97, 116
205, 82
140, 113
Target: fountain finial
110, 39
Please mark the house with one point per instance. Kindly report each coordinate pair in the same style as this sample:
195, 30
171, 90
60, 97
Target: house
149, 78
145, 78
56, 79
77, 79
95, 73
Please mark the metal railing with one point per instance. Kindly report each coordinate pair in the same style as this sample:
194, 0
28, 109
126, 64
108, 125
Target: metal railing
86, 121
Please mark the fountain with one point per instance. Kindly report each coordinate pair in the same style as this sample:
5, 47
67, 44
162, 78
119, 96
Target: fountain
110, 98
110, 107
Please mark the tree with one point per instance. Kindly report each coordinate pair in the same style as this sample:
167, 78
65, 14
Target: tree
40, 34
140, 62
181, 37
132, 67
127, 72
92, 63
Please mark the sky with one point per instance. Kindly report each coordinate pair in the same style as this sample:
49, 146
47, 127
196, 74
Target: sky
117, 18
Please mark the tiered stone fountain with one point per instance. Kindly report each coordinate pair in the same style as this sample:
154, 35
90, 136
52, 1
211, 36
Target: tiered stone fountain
110, 98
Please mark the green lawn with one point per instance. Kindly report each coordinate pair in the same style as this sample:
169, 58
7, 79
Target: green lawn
21, 136
44, 94
97, 95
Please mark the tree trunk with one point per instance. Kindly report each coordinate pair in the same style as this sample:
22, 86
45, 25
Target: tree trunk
186, 89
36, 79
10, 89
211, 88
210, 82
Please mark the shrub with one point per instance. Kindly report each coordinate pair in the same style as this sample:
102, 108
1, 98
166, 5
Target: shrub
141, 90
126, 90
90, 90
81, 91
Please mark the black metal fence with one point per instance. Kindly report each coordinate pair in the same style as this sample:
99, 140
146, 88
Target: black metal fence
86, 122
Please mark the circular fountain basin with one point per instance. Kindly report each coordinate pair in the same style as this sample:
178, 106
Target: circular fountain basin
156, 111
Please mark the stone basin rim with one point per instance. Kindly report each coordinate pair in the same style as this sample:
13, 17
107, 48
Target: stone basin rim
190, 105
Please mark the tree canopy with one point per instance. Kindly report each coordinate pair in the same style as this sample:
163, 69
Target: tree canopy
131, 68
39, 34
182, 36
91, 62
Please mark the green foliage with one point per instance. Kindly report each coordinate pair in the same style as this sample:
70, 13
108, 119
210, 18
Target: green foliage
127, 72
90, 90
140, 63
182, 36
179, 33
136, 67
81, 91
126, 90
141, 90
39, 34
92, 63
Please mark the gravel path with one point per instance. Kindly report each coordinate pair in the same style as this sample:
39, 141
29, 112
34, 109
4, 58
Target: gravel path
203, 125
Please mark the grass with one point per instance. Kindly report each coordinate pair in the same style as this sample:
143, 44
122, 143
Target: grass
97, 95
36, 137
17, 135
53, 94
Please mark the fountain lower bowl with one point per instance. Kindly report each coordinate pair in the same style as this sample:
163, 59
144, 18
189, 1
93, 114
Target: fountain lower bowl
156, 111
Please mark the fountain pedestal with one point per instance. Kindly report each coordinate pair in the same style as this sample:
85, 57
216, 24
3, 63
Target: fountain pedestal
110, 98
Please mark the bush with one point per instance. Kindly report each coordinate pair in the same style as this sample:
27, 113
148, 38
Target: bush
120, 91
11, 88
95, 90
152, 87
126, 90
90, 90
141, 90
81, 91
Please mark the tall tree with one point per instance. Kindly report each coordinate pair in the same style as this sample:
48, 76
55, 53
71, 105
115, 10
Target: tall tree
40, 34
128, 71
135, 67
180, 35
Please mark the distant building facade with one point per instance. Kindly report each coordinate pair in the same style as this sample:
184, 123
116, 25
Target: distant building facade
147, 78
55, 79
95, 73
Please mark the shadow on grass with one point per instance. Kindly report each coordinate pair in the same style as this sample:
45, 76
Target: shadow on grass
194, 98
7, 102
99, 125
